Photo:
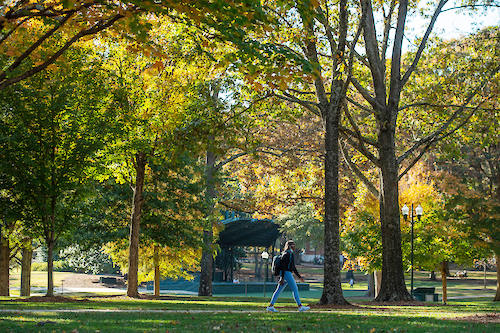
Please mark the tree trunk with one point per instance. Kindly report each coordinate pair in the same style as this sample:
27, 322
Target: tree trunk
140, 163
497, 295
332, 287
443, 265
156, 262
26, 271
207, 258
50, 267
4, 261
393, 283
432, 276
371, 285
378, 282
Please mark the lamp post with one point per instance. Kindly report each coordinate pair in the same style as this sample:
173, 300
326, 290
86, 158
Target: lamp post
265, 257
418, 211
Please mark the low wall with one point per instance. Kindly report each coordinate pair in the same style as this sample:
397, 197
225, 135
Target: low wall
225, 287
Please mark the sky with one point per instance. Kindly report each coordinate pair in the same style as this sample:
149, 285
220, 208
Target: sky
452, 24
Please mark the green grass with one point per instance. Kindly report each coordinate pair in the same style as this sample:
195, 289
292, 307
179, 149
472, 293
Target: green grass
236, 314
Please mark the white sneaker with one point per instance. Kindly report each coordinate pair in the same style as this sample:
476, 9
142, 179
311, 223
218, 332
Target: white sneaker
304, 308
271, 309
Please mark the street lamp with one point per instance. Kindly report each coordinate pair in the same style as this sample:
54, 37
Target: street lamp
418, 211
265, 257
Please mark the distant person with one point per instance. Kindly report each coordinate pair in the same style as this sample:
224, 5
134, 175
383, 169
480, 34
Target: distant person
351, 282
286, 267
236, 281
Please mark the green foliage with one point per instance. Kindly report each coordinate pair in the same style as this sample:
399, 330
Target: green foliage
91, 261
59, 266
300, 224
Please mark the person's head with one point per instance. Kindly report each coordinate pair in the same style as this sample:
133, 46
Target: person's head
289, 245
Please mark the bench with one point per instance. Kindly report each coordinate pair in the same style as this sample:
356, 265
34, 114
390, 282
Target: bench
107, 280
425, 294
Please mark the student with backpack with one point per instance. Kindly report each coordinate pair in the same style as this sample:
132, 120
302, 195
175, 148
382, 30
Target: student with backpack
284, 269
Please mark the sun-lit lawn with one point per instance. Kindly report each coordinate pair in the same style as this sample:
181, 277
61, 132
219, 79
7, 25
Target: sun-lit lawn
239, 314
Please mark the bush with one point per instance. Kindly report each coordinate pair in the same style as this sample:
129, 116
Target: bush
93, 261
59, 266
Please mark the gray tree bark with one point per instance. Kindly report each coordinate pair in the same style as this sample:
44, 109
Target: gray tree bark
140, 162
205, 288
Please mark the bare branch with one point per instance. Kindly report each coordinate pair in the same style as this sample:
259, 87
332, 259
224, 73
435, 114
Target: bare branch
360, 106
355, 170
363, 139
360, 148
310, 106
423, 42
388, 20
438, 134
364, 92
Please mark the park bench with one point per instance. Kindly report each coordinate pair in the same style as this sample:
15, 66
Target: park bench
425, 294
107, 280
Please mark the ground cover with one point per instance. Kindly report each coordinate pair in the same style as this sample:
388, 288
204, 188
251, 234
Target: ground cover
239, 314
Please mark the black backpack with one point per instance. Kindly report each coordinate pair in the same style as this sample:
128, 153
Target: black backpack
275, 267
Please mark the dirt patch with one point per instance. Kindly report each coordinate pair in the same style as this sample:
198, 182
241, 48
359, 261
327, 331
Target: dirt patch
51, 299
488, 318
92, 281
401, 303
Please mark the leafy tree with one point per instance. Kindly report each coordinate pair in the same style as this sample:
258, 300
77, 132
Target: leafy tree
313, 73
53, 128
34, 35
93, 261
376, 128
299, 222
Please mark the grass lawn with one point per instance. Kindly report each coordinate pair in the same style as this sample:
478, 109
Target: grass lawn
239, 314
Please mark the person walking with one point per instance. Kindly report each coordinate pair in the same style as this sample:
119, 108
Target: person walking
286, 267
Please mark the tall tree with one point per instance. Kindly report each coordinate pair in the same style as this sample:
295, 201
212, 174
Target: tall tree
53, 128
382, 90
316, 35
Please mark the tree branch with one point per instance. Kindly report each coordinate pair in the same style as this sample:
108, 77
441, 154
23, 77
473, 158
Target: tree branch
421, 48
355, 170
101, 25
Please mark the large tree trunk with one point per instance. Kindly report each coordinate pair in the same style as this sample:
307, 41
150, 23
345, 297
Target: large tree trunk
4, 261
332, 288
497, 295
443, 266
26, 271
140, 162
393, 283
207, 258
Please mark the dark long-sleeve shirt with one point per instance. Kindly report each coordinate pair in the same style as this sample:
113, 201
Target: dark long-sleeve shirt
288, 264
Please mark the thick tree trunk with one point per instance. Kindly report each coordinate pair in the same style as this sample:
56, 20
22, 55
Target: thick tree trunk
4, 262
140, 162
205, 288
26, 271
497, 295
443, 265
332, 288
393, 283
156, 262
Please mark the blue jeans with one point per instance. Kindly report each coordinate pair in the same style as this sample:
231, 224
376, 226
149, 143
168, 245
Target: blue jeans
291, 282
